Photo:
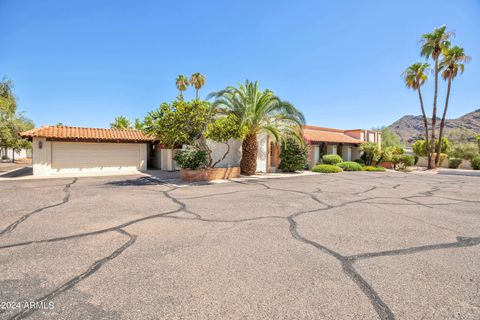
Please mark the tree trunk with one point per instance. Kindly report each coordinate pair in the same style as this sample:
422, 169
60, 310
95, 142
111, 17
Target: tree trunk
442, 124
425, 124
434, 115
248, 164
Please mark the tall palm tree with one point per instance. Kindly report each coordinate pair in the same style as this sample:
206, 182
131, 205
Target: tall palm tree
452, 62
415, 77
182, 84
432, 45
198, 81
260, 112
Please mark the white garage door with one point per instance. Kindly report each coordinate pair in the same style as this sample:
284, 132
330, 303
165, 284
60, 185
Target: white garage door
82, 157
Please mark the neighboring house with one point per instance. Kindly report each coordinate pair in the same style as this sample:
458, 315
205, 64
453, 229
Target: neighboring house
61, 149
345, 143
8, 153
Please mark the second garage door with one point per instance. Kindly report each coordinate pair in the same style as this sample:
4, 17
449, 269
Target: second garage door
83, 157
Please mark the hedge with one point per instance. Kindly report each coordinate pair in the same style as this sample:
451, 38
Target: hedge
372, 168
331, 159
326, 168
350, 166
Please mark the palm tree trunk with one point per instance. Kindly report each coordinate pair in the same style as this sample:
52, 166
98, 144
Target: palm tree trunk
425, 124
196, 94
442, 124
248, 164
434, 115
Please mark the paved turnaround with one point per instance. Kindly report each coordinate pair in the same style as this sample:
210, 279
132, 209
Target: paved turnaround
342, 246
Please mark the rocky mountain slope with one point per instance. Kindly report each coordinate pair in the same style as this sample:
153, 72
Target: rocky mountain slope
410, 128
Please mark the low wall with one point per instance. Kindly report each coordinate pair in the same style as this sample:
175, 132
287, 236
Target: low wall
209, 174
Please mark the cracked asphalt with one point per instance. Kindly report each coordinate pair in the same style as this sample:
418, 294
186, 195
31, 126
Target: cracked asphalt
358, 245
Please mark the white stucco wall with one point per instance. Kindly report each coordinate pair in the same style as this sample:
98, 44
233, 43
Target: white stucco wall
233, 157
262, 153
41, 157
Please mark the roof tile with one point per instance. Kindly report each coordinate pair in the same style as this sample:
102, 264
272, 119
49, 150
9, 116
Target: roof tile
87, 134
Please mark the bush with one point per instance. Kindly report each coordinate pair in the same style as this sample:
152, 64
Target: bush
464, 151
293, 157
350, 166
331, 159
326, 168
372, 168
454, 163
191, 159
403, 160
359, 161
476, 162
371, 152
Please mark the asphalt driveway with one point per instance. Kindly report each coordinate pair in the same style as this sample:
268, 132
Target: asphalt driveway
343, 246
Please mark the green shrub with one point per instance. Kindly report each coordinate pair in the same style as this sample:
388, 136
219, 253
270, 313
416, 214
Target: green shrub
331, 159
464, 151
191, 159
371, 152
372, 168
294, 156
350, 166
476, 162
359, 161
454, 163
403, 161
326, 168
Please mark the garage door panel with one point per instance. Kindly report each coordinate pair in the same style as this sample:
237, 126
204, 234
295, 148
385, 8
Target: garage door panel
71, 157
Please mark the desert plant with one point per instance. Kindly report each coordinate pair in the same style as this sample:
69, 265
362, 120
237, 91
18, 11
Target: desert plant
121, 122
370, 152
372, 168
182, 84
293, 156
415, 77
432, 46
326, 168
452, 62
475, 163
350, 166
359, 161
191, 159
260, 112
454, 163
331, 159
197, 80
403, 161
464, 150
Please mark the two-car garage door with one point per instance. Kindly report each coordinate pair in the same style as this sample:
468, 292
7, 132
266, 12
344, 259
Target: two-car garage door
83, 157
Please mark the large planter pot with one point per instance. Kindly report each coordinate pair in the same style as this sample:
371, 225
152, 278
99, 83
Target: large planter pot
209, 174
386, 164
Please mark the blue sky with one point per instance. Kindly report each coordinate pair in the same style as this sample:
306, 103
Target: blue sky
84, 62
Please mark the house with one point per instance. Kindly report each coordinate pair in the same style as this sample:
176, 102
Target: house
60, 150
324, 141
345, 143
75, 150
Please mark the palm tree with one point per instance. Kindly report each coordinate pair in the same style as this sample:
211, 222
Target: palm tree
432, 45
415, 77
122, 123
182, 84
260, 112
452, 62
198, 81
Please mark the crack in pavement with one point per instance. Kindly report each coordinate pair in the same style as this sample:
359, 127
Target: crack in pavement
346, 262
87, 273
65, 199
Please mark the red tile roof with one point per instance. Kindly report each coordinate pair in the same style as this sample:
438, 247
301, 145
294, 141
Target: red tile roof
319, 134
86, 134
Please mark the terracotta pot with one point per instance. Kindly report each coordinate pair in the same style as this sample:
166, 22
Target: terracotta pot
209, 174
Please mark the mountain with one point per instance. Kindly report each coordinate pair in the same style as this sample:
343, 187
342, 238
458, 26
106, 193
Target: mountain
410, 128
